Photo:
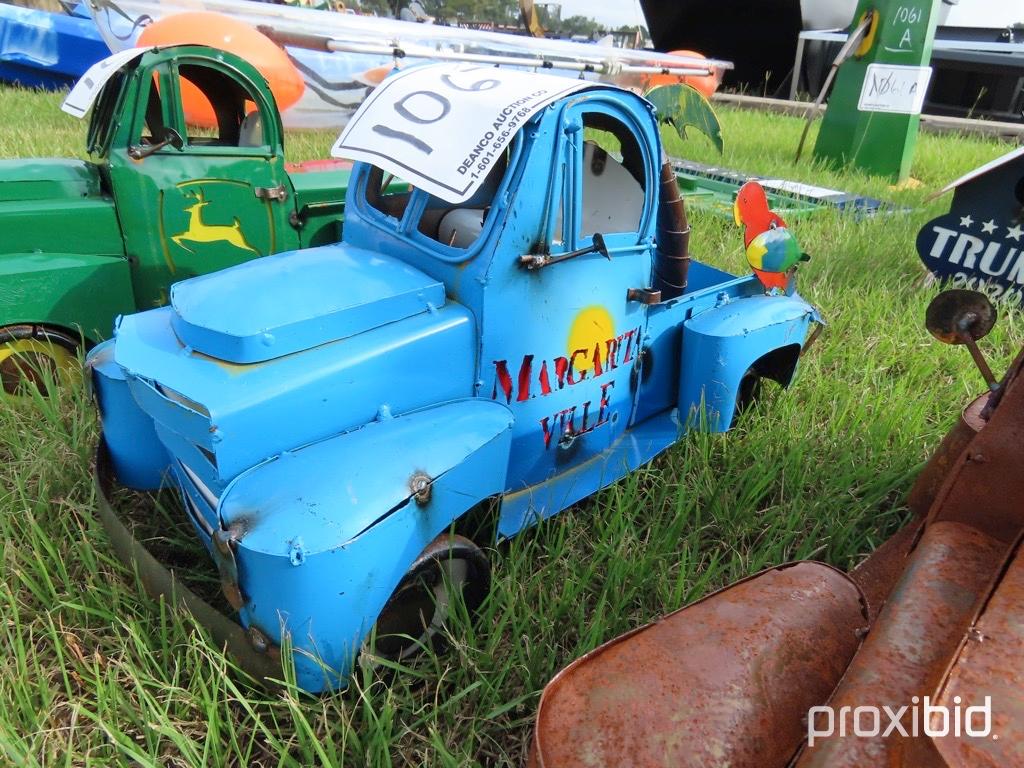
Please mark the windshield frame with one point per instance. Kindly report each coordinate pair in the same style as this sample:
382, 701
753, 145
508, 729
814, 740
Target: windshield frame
406, 227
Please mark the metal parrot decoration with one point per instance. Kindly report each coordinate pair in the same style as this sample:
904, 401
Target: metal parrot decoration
772, 250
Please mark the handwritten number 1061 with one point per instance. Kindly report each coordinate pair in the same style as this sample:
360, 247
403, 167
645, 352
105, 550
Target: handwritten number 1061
907, 15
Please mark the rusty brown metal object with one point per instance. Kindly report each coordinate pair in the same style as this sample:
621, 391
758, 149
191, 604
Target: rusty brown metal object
964, 494
974, 489
724, 681
877, 574
959, 316
907, 650
926, 487
990, 665
730, 681
985, 487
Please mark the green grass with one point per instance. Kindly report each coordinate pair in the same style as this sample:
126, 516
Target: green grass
95, 673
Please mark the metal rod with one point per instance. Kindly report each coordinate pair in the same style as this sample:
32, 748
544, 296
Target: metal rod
601, 67
398, 49
852, 41
979, 359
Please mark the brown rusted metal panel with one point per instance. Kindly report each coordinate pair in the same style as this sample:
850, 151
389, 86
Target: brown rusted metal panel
878, 573
725, 681
990, 665
986, 485
947, 577
926, 487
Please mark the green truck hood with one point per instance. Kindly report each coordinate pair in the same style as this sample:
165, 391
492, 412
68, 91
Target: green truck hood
56, 206
47, 179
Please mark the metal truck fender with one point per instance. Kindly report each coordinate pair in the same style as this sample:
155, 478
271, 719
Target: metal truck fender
66, 290
136, 455
314, 541
720, 345
722, 681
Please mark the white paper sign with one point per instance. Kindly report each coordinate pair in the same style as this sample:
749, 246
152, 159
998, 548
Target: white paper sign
84, 94
798, 188
894, 88
442, 127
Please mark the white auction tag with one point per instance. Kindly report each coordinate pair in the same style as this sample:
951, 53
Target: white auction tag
442, 127
894, 88
798, 188
88, 87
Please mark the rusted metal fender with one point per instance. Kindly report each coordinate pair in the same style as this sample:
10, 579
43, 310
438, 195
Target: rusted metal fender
926, 487
985, 486
989, 668
723, 681
946, 578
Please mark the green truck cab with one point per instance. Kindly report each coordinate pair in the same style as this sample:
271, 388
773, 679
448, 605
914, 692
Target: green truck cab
156, 202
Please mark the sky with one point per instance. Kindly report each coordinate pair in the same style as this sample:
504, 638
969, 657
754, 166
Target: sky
612, 13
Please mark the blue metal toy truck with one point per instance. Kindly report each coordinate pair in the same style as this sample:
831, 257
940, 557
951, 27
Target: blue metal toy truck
517, 327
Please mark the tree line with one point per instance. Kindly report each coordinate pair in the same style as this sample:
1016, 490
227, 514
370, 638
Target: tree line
500, 12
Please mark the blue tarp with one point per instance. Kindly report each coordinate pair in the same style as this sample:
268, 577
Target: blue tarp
46, 50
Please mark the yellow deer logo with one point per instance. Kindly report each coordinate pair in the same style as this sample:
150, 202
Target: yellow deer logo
199, 231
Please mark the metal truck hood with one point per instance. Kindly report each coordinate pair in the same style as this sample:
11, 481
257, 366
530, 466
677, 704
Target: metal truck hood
237, 415
47, 179
278, 305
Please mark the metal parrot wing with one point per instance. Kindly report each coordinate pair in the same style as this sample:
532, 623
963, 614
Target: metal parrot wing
681, 105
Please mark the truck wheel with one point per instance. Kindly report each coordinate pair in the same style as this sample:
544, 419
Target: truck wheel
34, 355
417, 610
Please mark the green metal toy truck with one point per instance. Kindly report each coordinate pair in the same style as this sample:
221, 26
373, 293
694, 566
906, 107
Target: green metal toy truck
157, 201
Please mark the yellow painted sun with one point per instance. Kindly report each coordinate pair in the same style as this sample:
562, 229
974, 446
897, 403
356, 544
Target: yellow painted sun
592, 326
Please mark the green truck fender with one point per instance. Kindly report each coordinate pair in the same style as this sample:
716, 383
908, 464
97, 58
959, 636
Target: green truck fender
75, 293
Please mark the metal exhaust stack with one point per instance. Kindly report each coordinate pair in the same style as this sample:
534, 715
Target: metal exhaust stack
672, 255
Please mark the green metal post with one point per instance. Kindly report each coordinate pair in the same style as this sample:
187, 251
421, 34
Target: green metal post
874, 110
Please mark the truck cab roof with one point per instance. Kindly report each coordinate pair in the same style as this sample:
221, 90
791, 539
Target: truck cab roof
451, 181
241, 108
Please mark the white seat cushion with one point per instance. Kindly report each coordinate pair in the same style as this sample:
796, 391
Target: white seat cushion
612, 199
